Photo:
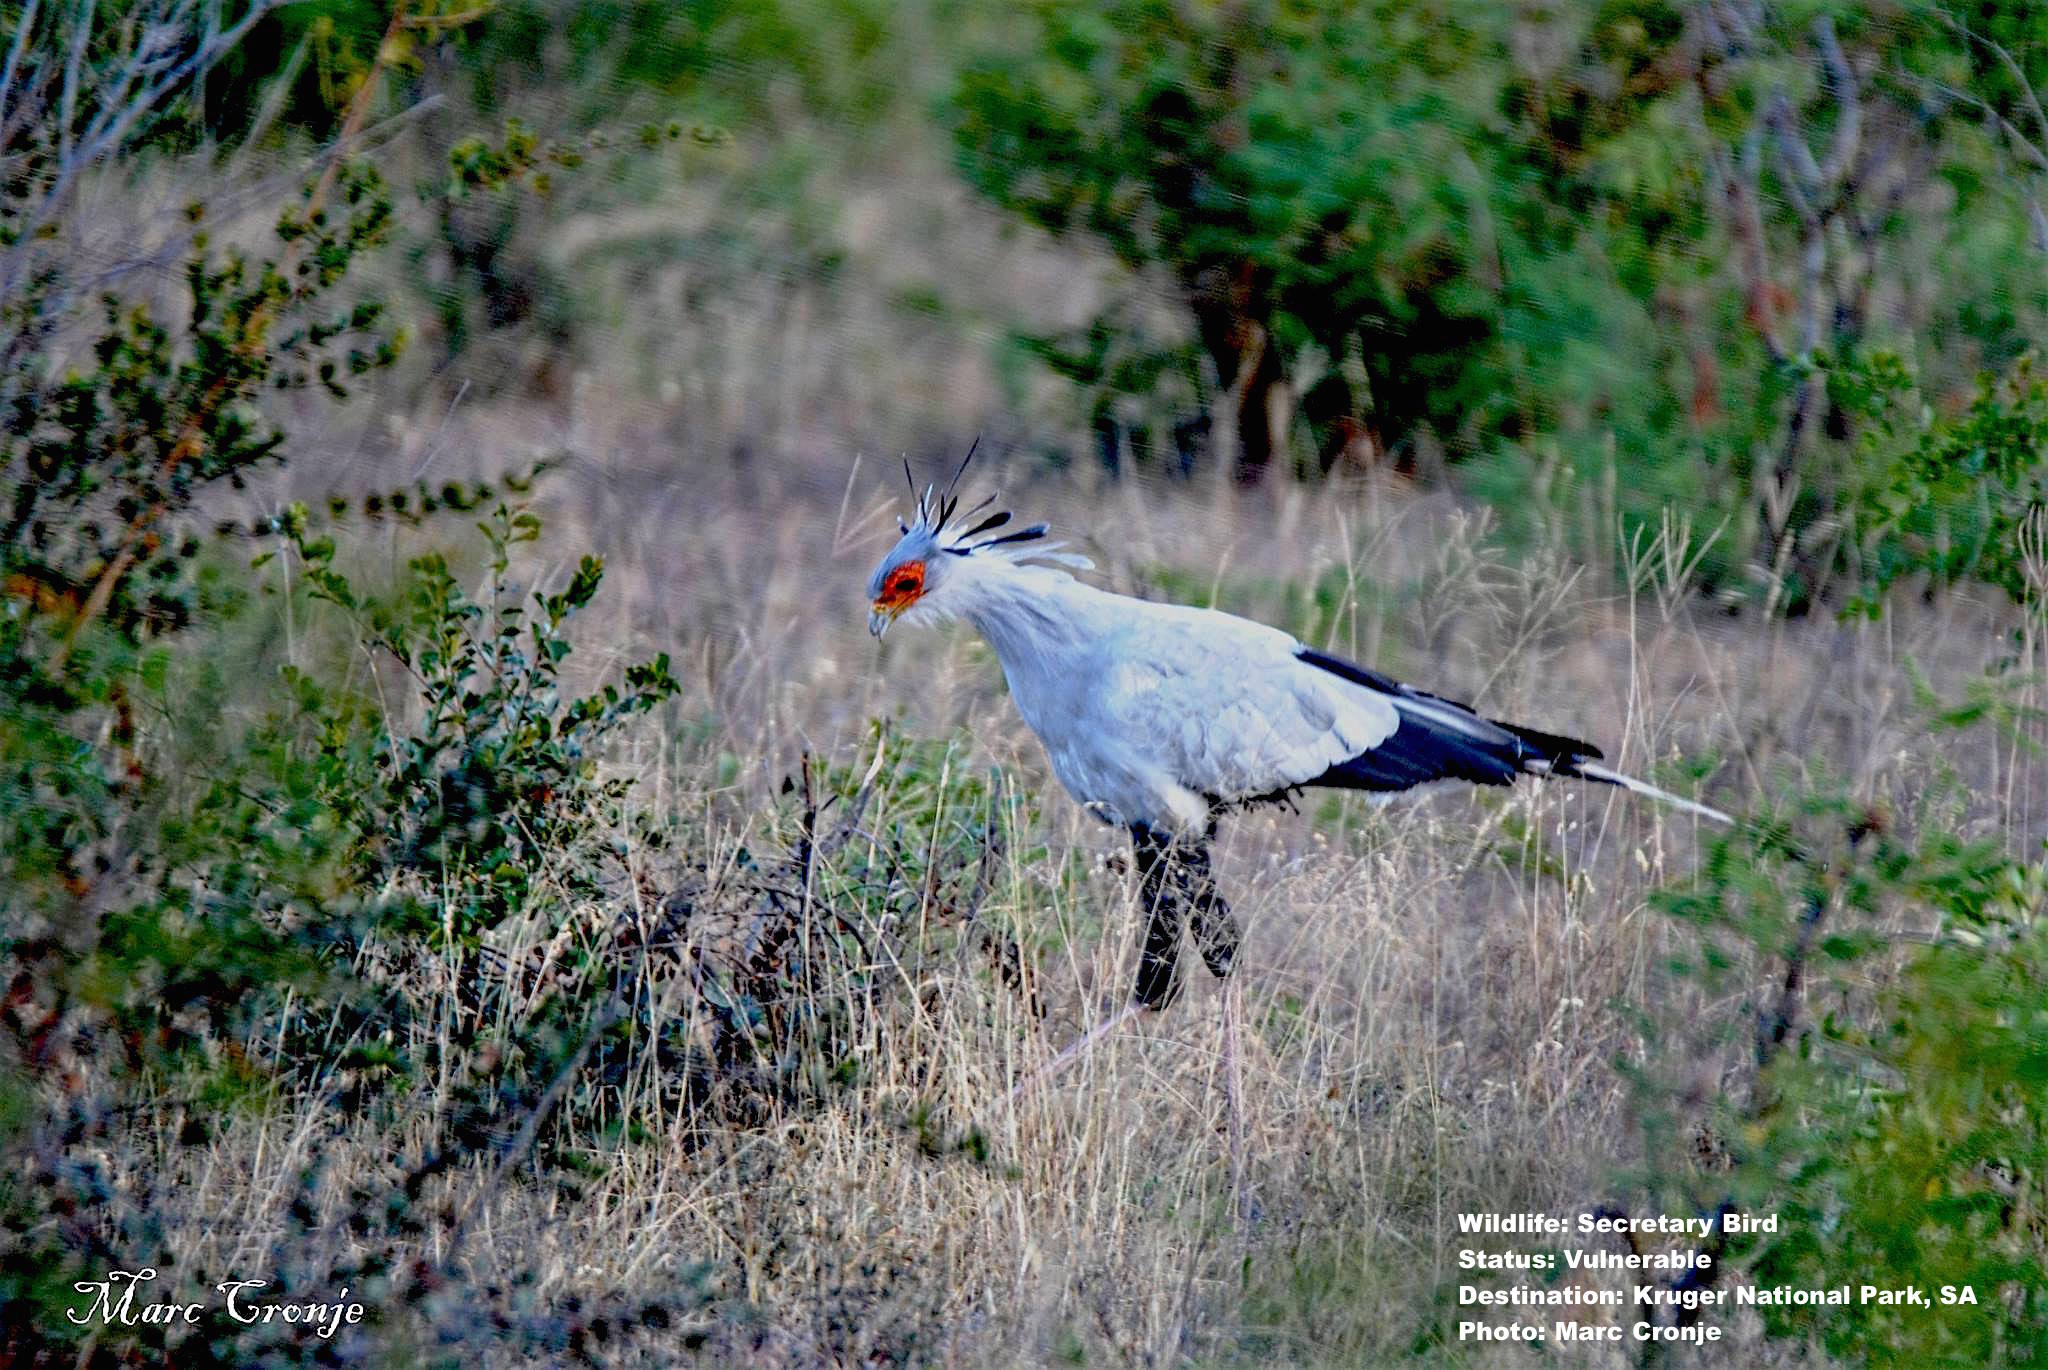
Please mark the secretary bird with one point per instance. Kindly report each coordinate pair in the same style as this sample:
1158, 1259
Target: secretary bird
1162, 717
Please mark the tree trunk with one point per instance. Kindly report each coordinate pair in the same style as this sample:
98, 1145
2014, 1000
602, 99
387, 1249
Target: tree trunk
1231, 315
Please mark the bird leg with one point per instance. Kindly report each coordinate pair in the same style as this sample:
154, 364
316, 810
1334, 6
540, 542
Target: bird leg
1175, 888
1159, 894
1215, 927
1177, 881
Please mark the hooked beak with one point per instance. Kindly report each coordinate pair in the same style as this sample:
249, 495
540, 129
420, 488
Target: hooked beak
879, 621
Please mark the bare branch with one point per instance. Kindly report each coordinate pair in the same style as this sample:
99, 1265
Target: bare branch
14, 52
67, 105
2012, 132
1738, 185
101, 103
1842, 83
1797, 170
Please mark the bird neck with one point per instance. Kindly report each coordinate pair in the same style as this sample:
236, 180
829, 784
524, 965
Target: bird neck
1029, 614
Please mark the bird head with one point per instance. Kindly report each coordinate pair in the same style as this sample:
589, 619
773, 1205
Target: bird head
927, 573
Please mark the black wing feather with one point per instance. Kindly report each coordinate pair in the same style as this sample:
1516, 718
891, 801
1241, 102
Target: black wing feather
1423, 748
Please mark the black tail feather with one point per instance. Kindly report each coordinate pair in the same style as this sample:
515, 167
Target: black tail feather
1563, 754
1441, 739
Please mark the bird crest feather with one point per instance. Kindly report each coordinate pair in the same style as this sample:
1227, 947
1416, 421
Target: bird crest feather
988, 536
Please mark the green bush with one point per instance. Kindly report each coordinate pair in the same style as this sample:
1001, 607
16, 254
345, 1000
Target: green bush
1879, 1053
1266, 157
264, 903
1599, 254
1950, 498
499, 773
210, 903
152, 913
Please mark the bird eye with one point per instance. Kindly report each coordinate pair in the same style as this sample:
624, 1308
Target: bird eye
906, 579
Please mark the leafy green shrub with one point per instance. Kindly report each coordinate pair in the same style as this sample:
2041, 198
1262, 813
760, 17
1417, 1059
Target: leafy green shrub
201, 915
1886, 974
1950, 498
1265, 156
499, 773
151, 912
1927, 1165
283, 891
1884, 984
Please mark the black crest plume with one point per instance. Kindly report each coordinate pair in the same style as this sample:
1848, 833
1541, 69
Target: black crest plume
938, 512
935, 510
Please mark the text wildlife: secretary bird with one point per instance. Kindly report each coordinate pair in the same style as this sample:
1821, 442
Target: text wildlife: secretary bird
1160, 717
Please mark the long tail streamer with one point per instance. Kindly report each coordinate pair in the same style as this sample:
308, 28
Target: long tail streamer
1589, 771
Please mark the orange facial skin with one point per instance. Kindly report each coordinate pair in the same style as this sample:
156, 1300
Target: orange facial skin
901, 589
